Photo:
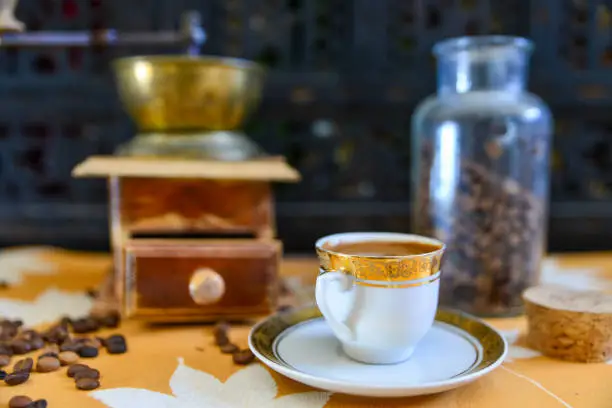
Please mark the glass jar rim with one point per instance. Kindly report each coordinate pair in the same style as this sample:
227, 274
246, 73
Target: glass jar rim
476, 43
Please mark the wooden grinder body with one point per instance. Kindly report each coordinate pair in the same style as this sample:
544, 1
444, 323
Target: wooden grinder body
192, 248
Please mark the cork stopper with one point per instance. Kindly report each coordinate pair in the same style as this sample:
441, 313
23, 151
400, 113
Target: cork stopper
561, 298
569, 324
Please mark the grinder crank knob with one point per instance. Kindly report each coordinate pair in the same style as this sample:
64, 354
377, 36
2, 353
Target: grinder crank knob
8, 22
206, 286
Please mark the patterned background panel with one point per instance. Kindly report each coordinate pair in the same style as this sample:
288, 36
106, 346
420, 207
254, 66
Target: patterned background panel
345, 77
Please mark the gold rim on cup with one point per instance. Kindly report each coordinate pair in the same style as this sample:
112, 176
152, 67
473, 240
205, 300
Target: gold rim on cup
376, 270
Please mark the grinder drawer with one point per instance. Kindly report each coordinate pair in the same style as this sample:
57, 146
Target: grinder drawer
175, 280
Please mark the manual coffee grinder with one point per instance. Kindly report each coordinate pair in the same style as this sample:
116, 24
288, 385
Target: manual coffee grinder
191, 206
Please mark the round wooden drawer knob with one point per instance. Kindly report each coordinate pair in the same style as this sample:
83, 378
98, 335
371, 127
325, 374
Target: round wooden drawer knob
206, 286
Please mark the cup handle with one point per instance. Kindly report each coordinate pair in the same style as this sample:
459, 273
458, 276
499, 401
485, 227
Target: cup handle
346, 281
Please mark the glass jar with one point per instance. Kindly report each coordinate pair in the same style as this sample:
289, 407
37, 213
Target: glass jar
480, 149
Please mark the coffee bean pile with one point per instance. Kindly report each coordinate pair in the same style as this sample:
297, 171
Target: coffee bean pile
62, 344
221, 334
493, 228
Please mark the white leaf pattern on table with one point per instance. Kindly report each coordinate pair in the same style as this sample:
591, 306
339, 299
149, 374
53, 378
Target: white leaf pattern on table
517, 352
14, 263
48, 307
251, 387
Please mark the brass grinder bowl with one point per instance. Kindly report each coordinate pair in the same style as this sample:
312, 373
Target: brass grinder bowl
182, 93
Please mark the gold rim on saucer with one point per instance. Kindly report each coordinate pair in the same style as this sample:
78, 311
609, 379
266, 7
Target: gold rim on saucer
263, 337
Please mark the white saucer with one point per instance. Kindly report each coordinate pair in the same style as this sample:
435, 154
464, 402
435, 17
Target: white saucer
299, 344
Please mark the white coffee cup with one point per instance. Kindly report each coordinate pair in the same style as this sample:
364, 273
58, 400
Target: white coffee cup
378, 306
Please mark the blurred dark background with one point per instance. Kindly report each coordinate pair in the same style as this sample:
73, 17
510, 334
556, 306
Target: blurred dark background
345, 78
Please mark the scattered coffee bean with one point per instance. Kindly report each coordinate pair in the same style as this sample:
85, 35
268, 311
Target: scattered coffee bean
111, 320
20, 347
6, 350
9, 329
92, 293
52, 348
101, 341
91, 373
7, 332
48, 354
28, 334
70, 345
4, 360
3, 375
93, 342
116, 348
75, 368
116, 344
41, 403
47, 364
68, 357
65, 322
221, 331
283, 289
243, 357
221, 339
37, 343
115, 338
229, 348
56, 334
221, 327
4, 284
88, 352
33, 338
25, 364
17, 377
20, 401
85, 325
87, 384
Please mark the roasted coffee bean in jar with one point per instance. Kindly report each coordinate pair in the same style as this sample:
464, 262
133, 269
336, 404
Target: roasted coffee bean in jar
480, 173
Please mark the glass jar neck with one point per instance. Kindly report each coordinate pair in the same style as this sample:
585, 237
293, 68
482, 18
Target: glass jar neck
485, 63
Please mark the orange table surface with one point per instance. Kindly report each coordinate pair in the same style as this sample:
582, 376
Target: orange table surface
178, 366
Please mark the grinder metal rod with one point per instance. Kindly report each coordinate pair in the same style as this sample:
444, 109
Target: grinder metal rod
190, 34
